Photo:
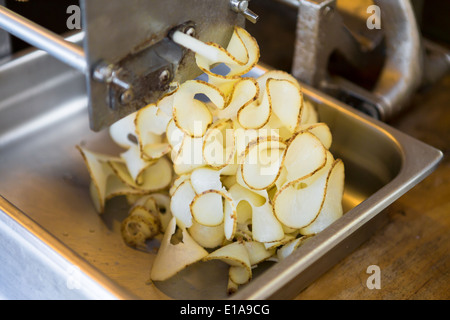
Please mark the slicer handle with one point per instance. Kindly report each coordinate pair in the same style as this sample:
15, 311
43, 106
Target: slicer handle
43, 39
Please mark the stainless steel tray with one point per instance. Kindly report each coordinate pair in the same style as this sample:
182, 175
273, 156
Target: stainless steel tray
53, 245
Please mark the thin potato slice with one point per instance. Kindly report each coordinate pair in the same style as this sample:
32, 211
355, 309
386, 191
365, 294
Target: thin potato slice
99, 172
180, 204
288, 248
236, 255
241, 55
257, 252
298, 203
192, 116
219, 144
242, 93
265, 226
207, 237
207, 208
286, 101
320, 130
332, 207
262, 163
239, 274
171, 258
305, 155
255, 114
204, 179
189, 156
154, 178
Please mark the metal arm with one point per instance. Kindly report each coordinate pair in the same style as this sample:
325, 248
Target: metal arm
43, 39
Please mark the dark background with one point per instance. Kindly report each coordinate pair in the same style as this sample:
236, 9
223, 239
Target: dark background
277, 21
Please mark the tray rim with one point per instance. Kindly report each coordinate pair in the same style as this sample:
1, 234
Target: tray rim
412, 171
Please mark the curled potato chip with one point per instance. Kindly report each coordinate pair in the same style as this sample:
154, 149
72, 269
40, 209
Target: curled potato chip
320, 130
305, 155
207, 208
204, 179
236, 255
207, 237
265, 226
219, 144
245, 163
191, 115
155, 177
262, 163
288, 248
257, 252
240, 56
189, 156
286, 101
180, 203
242, 93
100, 173
172, 258
332, 207
298, 203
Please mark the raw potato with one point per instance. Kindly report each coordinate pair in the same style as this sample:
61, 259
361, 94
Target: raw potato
233, 168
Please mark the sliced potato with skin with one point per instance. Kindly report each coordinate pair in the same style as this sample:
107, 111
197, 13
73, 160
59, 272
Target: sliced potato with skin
171, 258
286, 101
288, 248
122, 130
332, 207
207, 208
230, 219
255, 114
241, 55
154, 178
189, 157
320, 130
265, 226
192, 116
276, 244
309, 113
164, 213
262, 163
207, 237
236, 255
304, 156
99, 172
177, 182
204, 179
257, 252
298, 202
180, 203
219, 144
243, 92
239, 274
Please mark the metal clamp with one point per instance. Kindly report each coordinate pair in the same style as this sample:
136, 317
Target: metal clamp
321, 32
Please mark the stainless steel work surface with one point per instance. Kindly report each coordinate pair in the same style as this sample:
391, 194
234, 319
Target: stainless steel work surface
45, 203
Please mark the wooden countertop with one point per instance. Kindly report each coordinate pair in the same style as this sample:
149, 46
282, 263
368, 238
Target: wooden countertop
412, 250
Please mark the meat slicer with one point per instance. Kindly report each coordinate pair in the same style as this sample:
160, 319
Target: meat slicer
125, 58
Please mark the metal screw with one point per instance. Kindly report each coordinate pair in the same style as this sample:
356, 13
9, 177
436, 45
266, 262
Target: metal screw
241, 6
190, 31
126, 96
164, 76
104, 72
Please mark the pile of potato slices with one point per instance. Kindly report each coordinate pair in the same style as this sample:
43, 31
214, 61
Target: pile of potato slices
232, 168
